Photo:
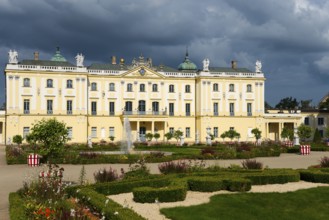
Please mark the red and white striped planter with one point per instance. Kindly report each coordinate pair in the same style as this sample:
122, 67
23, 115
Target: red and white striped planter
305, 149
33, 160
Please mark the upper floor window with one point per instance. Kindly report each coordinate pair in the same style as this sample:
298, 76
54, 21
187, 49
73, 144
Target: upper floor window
129, 87
249, 88
320, 121
215, 87
93, 86
171, 88
26, 106
231, 87
49, 107
49, 83
154, 87
69, 84
26, 82
187, 88
307, 121
112, 87
142, 87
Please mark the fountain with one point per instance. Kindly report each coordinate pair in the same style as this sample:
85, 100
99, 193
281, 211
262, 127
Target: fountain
126, 143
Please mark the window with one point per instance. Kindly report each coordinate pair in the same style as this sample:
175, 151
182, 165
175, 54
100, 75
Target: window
93, 132
141, 107
231, 128
69, 84
129, 108
94, 108
129, 87
307, 121
49, 107
231, 109
26, 106
171, 109
249, 88
112, 87
188, 109
26, 82
249, 109
69, 132
93, 86
215, 109
155, 108
154, 87
111, 131
49, 83
69, 107
215, 87
171, 88
171, 130
187, 88
142, 87
231, 87
26, 131
112, 108
187, 132
320, 121
216, 132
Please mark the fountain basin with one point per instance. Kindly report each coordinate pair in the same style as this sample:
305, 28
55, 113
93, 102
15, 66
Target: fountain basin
125, 153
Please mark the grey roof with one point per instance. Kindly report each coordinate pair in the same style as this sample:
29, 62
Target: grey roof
107, 66
227, 69
46, 63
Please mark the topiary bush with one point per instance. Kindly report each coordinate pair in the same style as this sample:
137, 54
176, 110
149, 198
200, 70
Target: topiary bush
168, 194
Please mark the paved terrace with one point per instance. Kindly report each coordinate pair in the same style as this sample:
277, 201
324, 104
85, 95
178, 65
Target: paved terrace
12, 176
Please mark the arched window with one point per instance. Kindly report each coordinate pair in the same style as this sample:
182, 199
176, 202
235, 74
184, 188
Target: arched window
69, 84
49, 83
129, 87
187, 88
171, 88
154, 87
215, 87
26, 82
112, 87
249, 88
231, 88
142, 87
93, 86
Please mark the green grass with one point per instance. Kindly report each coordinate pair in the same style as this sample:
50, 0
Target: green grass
303, 204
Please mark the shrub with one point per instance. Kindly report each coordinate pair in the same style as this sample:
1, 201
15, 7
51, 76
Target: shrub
238, 185
315, 176
138, 169
206, 184
18, 139
157, 154
168, 194
273, 178
88, 155
324, 162
173, 167
207, 150
252, 164
105, 175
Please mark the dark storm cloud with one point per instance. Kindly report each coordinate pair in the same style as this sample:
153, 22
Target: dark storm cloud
290, 37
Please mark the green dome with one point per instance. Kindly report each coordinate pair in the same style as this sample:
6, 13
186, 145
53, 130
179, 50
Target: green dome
58, 56
187, 64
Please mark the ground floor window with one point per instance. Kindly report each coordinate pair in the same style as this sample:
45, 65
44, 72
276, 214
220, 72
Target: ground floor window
188, 132
69, 132
216, 132
26, 131
93, 132
111, 131
171, 130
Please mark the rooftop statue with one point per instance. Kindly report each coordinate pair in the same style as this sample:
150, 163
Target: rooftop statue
258, 67
80, 58
206, 64
13, 56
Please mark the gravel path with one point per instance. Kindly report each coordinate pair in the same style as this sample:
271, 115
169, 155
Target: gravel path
151, 211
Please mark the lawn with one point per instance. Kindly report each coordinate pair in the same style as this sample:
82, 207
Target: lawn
302, 204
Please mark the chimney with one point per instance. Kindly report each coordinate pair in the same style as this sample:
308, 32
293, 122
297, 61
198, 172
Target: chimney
234, 64
114, 60
36, 55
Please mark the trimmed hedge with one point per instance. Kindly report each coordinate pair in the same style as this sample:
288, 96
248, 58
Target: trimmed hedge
117, 187
101, 204
166, 194
206, 184
238, 185
315, 176
273, 178
16, 207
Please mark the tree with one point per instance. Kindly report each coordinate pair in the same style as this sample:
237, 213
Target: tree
178, 134
304, 132
51, 135
149, 136
168, 135
287, 133
287, 103
156, 136
231, 134
18, 139
223, 136
326, 133
112, 138
267, 105
317, 136
305, 104
325, 104
257, 133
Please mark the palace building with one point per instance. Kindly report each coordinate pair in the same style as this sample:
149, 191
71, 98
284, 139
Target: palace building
94, 100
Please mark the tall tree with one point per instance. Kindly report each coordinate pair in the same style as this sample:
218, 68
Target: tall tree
305, 104
287, 103
324, 104
267, 105
304, 132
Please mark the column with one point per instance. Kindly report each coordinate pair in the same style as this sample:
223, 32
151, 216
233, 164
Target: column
152, 127
137, 132
280, 130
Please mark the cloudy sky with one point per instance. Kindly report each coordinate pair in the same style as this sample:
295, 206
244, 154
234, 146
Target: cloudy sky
290, 37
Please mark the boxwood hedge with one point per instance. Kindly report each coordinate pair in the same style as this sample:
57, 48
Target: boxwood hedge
172, 193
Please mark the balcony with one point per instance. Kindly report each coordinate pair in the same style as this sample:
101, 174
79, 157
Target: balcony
146, 113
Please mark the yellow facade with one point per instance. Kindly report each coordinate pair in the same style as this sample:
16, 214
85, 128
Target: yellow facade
93, 101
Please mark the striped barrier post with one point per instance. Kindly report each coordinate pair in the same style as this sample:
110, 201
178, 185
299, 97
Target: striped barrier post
33, 160
305, 149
